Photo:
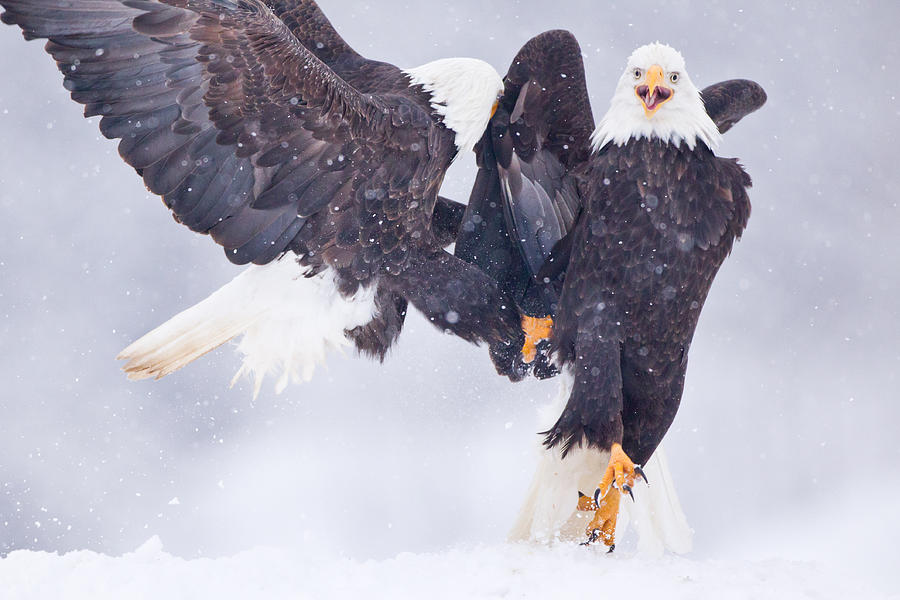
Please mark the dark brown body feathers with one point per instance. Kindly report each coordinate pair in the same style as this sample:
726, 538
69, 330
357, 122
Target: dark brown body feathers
620, 247
658, 222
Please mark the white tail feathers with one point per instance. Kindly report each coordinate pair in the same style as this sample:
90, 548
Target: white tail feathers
289, 322
656, 512
549, 510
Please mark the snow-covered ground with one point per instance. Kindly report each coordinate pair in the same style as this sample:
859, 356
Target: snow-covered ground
842, 550
503, 571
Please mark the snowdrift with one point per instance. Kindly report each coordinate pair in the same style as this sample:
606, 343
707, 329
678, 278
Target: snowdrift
501, 571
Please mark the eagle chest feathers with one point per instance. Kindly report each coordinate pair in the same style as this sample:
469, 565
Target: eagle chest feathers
662, 220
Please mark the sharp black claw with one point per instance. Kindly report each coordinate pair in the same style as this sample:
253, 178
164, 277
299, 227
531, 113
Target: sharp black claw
580, 494
543, 364
627, 488
592, 537
640, 472
597, 497
611, 548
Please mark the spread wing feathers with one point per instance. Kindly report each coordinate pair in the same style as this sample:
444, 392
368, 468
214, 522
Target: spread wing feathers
255, 64
538, 135
727, 102
312, 29
244, 132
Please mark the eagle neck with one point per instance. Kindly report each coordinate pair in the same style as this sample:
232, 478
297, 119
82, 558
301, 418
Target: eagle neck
684, 121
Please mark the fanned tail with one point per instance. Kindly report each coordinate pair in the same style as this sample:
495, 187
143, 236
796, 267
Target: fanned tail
548, 510
190, 334
288, 320
656, 512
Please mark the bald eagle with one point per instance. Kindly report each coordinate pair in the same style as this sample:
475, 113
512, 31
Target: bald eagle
258, 125
608, 237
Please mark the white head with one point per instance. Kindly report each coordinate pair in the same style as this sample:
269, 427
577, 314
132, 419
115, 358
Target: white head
655, 98
464, 91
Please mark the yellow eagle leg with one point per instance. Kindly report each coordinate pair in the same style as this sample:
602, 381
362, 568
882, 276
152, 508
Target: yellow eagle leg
536, 329
603, 525
621, 471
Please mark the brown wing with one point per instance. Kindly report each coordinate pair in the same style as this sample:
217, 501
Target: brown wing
312, 28
538, 136
727, 102
243, 130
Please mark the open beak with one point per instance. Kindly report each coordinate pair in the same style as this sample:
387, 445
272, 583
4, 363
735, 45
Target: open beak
652, 93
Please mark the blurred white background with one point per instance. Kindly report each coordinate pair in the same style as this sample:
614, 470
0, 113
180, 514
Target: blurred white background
786, 442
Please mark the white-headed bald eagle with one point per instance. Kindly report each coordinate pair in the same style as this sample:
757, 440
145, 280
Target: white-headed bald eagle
258, 125
609, 238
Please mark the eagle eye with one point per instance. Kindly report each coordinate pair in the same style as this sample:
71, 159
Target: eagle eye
637, 73
674, 77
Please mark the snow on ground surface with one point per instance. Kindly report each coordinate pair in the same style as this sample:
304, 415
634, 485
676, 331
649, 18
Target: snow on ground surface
843, 549
500, 571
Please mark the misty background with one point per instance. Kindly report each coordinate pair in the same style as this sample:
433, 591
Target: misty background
786, 443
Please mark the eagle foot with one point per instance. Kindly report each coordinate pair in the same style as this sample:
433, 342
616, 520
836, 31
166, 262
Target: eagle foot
508, 361
593, 536
619, 477
638, 470
620, 472
536, 329
543, 364
606, 512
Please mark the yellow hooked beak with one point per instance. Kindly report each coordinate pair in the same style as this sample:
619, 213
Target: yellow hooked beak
652, 93
494, 108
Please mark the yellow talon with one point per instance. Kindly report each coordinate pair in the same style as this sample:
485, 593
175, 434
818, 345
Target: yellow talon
586, 502
536, 329
621, 471
603, 525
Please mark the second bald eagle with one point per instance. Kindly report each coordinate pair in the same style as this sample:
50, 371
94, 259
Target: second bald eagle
610, 237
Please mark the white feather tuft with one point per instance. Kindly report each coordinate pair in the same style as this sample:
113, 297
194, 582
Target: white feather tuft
549, 512
288, 321
656, 512
681, 119
463, 92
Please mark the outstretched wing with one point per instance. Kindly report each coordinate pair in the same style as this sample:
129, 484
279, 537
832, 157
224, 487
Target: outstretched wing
525, 198
727, 102
228, 110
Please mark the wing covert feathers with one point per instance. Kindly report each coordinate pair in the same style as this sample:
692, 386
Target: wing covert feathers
219, 105
727, 102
